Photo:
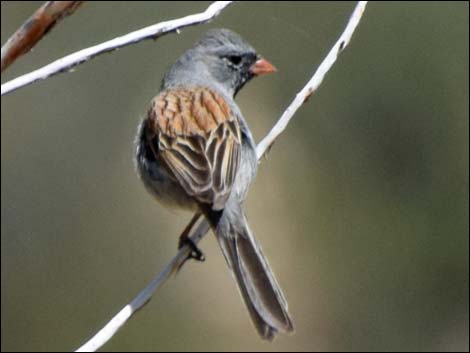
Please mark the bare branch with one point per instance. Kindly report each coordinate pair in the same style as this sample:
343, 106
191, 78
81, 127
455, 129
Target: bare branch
66, 63
119, 320
31, 32
109, 330
314, 82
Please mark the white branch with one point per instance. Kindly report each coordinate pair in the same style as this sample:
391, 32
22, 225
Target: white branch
120, 319
312, 85
66, 63
110, 329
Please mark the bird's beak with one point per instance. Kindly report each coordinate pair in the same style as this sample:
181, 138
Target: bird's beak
262, 67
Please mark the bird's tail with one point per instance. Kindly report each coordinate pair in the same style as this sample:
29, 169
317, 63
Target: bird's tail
256, 282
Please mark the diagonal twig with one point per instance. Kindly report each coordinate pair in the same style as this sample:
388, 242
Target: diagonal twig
31, 32
315, 81
68, 62
108, 331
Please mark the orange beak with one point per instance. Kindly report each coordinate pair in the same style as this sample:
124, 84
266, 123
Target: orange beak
262, 67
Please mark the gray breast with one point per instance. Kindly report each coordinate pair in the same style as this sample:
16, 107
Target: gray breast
156, 179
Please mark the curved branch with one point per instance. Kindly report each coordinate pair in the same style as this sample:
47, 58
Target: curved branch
315, 81
66, 63
38, 25
108, 331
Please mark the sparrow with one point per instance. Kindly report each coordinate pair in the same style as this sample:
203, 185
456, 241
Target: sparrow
195, 151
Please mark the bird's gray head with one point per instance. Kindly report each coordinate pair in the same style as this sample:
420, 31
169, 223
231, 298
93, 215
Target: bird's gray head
222, 60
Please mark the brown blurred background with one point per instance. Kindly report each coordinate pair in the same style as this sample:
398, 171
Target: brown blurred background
362, 206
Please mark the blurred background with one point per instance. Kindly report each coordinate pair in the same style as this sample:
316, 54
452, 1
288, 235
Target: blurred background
361, 206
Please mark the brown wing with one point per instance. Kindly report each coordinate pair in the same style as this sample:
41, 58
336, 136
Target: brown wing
198, 141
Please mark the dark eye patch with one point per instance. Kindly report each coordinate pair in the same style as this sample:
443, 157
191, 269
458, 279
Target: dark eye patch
234, 59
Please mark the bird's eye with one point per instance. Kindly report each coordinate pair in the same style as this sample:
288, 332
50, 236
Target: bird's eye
234, 59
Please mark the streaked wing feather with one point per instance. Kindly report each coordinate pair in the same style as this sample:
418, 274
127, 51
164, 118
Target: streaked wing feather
199, 142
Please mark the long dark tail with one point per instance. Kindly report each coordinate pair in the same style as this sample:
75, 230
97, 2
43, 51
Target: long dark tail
256, 282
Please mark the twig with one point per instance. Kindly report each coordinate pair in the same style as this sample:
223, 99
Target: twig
30, 32
315, 81
68, 62
108, 331
113, 326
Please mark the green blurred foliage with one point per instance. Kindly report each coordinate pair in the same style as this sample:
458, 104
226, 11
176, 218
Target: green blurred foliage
362, 205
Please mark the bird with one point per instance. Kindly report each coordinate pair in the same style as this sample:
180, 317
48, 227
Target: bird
195, 151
